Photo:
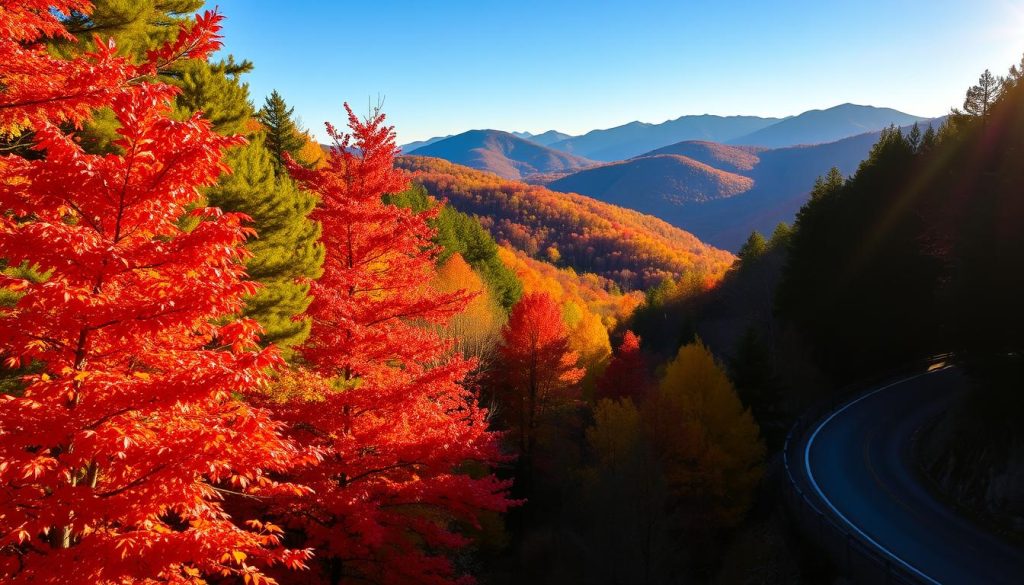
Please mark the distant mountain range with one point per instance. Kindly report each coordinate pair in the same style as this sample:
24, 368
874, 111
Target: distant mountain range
717, 177
501, 153
407, 148
821, 126
648, 182
719, 193
545, 138
636, 138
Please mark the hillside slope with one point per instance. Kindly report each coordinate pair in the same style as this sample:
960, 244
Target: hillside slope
736, 159
632, 249
501, 153
655, 181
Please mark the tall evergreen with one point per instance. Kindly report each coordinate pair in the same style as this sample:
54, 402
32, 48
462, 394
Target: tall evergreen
758, 388
458, 233
286, 249
282, 133
981, 97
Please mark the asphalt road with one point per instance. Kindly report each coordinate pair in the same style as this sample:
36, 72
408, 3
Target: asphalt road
859, 463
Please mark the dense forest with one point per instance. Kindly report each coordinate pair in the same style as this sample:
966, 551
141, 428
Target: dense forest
232, 356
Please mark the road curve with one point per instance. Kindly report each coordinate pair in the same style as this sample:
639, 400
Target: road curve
858, 465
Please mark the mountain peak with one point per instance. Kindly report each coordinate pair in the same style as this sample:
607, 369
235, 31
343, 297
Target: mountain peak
502, 153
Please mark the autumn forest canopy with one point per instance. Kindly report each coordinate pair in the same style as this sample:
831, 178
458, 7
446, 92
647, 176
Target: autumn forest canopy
233, 355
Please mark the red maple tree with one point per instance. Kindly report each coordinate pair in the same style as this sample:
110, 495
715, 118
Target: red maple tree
395, 427
628, 372
116, 451
537, 372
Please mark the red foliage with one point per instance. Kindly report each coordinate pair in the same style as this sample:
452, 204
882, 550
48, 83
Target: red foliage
538, 371
392, 422
114, 457
39, 88
628, 373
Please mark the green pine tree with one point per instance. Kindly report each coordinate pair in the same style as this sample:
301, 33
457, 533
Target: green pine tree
282, 133
216, 90
287, 248
136, 25
753, 248
462, 234
780, 237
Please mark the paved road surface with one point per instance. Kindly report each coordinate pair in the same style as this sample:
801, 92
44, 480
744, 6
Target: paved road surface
859, 463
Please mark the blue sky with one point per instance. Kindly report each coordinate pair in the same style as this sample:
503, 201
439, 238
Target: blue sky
448, 66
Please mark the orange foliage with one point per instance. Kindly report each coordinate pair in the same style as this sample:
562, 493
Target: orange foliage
595, 293
588, 308
476, 330
312, 151
632, 249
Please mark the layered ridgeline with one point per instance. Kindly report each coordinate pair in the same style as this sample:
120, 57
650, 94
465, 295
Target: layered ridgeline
544, 138
720, 193
812, 127
502, 153
829, 125
636, 138
630, 248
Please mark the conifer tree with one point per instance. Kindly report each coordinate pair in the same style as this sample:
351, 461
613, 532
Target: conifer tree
981, 97
755, 247
286, 252
283, 136
757, 386
136, 25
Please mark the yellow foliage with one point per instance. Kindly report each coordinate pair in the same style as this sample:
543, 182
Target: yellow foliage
477, 329
312, 152
616, 434
711, 444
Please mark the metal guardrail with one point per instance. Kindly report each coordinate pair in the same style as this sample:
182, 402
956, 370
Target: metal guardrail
858, 558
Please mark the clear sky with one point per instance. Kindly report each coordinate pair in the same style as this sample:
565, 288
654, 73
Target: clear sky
444, 67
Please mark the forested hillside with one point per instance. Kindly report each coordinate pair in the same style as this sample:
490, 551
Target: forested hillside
629, 248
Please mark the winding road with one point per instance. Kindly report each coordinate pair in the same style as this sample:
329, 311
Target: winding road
858, 465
